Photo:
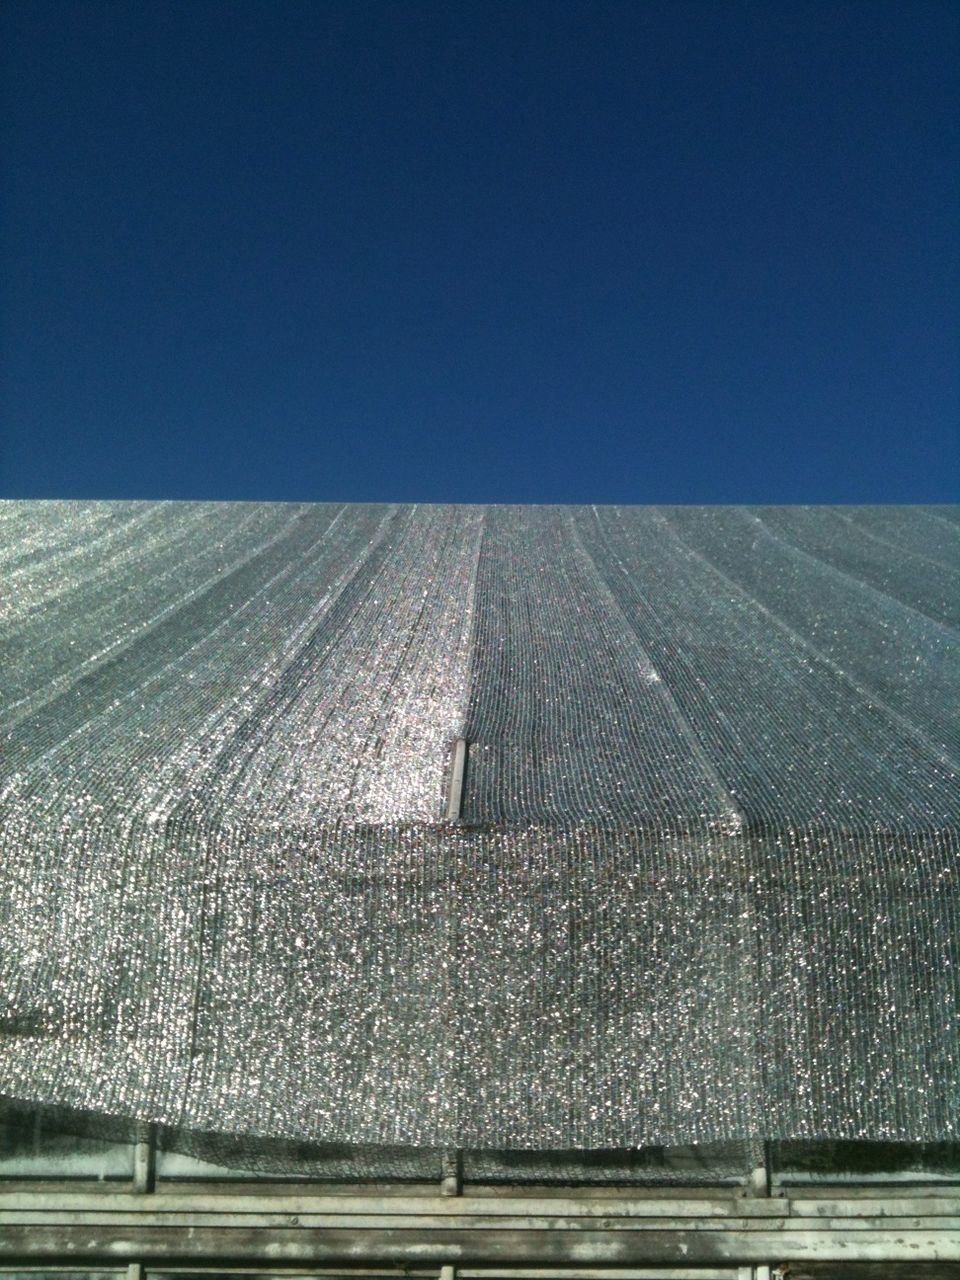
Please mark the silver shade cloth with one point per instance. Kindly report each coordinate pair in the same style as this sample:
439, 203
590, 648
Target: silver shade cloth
704, 882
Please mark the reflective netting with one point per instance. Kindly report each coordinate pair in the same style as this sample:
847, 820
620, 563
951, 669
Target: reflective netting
704, 884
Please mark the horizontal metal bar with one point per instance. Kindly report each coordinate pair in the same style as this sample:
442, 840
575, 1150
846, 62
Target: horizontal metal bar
460, 1206
879, 1207
424, 1222
453, 1246
606, 1273
481, 1207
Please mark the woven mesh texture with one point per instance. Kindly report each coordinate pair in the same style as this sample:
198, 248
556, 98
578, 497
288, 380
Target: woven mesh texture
704, 885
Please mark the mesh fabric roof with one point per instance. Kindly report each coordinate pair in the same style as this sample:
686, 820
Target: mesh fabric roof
704, 882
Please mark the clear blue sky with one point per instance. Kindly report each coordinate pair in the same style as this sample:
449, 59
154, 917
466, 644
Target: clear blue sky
470, 250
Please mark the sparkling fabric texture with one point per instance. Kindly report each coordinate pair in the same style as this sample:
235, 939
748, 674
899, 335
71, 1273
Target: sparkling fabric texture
704, 883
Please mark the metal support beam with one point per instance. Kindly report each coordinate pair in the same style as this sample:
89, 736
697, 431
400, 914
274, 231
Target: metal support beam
477, 1230
760, 1174
550, 1245
144, 1162
458, 767
451, 1173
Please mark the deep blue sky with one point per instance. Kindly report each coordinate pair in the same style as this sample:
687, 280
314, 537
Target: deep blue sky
470, 250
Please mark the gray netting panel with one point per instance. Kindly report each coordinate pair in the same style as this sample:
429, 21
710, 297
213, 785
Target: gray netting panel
704, 889
319, 675
569, 719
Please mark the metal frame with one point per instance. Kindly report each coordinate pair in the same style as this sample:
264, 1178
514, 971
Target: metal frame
137, 1271
723, 1231
761, 1230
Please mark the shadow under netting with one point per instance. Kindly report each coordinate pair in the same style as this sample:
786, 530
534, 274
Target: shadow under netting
40, 1137
45, 1142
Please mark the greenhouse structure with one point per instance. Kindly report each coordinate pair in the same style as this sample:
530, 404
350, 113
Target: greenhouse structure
558, 893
